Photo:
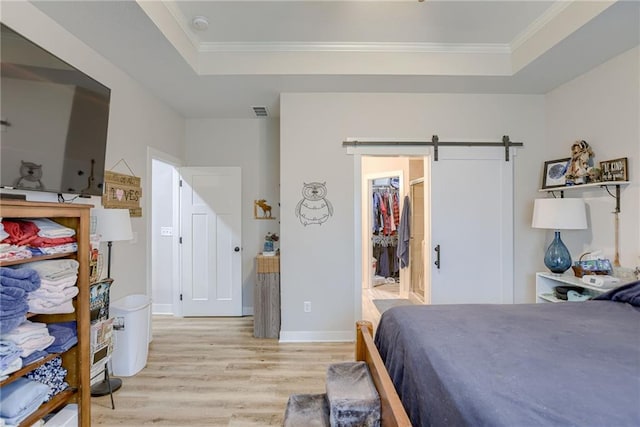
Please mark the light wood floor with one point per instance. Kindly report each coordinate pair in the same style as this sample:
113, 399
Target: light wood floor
212, 372
369, 310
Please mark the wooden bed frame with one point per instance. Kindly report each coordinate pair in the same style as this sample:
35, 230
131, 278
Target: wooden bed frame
391, 410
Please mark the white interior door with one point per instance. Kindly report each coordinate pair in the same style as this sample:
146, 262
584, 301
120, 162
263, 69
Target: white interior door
471, 202
210, 224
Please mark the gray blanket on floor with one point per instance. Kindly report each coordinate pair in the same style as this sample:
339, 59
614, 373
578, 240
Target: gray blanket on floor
564, 364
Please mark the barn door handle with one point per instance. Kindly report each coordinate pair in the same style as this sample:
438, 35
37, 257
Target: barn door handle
437, 263
236, 249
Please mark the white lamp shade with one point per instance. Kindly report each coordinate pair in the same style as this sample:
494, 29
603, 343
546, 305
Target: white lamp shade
559, 214
113, 224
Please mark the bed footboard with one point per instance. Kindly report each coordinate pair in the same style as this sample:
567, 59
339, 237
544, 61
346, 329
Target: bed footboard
391, 409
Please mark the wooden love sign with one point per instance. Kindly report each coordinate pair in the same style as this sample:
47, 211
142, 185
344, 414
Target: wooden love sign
123, 192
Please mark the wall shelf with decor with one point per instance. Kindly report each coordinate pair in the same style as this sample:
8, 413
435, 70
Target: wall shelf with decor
591, 184
604, 184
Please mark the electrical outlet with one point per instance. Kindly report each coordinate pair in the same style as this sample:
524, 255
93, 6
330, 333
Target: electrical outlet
307, 306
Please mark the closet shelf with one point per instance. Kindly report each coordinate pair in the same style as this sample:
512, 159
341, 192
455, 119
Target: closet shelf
5, 263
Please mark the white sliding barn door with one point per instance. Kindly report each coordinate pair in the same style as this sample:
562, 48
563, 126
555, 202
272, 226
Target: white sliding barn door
471, 203
210, 226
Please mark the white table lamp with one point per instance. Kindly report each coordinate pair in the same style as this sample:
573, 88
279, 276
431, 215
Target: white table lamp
559, 214
113, 225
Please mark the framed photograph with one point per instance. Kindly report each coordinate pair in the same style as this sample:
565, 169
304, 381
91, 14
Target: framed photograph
553, 174
614, 170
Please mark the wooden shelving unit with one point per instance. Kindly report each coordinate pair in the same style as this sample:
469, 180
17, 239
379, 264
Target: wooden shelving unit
76, 360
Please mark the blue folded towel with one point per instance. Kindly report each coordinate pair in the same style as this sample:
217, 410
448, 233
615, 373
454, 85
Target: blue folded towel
10, 294
8, 324
9, 352
18, 273
33, 357
17, 309
65, 335
23, 278
20, 396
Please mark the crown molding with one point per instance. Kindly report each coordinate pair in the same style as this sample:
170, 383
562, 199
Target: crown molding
549, 15
384, 47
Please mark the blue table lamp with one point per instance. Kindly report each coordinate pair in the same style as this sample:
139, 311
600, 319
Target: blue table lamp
559, 214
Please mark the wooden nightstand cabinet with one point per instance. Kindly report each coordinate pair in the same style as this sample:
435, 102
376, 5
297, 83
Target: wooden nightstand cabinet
266, 297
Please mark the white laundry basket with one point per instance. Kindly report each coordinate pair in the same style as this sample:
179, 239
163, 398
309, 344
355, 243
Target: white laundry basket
131, 334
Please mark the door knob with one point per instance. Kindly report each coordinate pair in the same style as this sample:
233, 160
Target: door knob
236, 249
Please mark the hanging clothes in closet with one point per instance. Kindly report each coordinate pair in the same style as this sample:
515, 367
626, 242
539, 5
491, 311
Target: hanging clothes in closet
386, 219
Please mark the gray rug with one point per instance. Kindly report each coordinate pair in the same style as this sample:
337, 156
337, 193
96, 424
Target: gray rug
385, 304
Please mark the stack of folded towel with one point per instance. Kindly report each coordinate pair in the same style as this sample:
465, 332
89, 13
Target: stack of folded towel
57, 286
29, 337
65, 334
53, 237
14, 286
21, 398
40, 236
10, 360
51, 374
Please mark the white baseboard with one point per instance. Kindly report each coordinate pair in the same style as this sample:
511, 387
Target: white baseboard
317, 336
247, 311
161, 308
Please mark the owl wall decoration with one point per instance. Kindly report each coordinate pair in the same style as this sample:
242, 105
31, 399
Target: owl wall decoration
314, 208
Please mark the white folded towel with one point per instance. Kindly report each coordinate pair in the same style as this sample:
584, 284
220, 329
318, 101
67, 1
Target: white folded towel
36, 344
53, 298
51, 229
53, 269
25, 331
36, 306
58, 285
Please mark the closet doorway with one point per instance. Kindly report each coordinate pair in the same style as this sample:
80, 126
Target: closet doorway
385, 184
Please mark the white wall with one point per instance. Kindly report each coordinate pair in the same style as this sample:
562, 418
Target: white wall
136, 120
317, 263
602, 107
251, 144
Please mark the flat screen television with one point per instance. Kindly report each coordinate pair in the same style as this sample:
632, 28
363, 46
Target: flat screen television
54, 121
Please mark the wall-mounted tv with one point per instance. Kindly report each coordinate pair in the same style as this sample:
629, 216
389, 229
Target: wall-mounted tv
54, 121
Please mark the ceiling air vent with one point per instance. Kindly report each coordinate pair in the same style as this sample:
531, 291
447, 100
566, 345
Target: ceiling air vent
260, 111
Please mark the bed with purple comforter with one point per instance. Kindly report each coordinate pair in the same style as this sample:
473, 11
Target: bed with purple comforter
565, 364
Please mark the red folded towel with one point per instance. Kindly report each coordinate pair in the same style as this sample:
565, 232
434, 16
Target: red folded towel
45, 242
20, 232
